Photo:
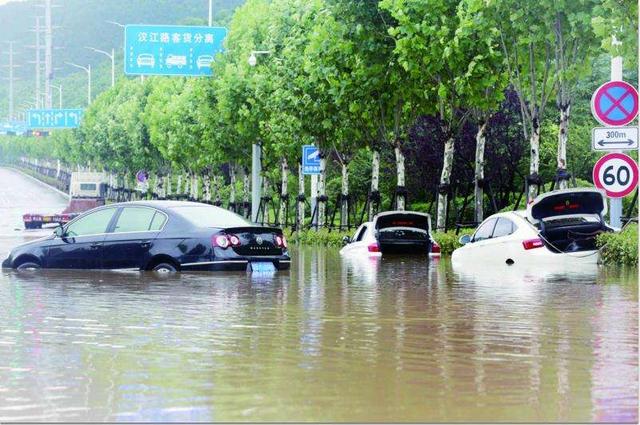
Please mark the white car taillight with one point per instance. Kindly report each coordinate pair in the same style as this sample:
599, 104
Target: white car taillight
374, 247
532, 244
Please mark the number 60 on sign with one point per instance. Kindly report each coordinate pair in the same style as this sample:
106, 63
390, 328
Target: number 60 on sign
617, 174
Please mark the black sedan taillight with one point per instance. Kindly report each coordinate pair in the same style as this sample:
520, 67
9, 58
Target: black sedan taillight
225, 241
281, 241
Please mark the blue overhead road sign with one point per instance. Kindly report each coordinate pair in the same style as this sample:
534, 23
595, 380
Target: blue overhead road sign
53, 118
310, 160
171, 49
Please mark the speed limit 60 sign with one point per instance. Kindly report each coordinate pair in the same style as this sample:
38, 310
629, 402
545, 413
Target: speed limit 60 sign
617, 174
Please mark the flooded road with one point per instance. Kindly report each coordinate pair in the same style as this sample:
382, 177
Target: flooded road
330, 340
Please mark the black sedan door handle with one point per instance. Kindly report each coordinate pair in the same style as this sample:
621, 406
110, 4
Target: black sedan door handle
95, 245
145, 244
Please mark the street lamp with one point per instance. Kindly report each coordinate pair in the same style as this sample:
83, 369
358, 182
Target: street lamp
125, 53
59, 88
115, 23
252, 58
256, 156
87, 69
111, 56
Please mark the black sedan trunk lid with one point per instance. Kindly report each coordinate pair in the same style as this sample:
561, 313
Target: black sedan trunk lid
256, 241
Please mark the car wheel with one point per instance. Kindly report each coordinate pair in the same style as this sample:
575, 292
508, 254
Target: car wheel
164, 268
28, 266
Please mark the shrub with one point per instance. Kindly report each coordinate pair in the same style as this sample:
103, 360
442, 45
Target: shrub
320, 237
449, 241
620, 248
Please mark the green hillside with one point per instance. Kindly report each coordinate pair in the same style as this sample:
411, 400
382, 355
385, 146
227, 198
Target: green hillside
81, 23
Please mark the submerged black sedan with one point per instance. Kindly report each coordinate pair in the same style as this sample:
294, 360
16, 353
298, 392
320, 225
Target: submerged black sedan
164, 236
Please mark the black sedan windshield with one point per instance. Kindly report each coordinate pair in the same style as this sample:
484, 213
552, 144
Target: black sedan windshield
208, 216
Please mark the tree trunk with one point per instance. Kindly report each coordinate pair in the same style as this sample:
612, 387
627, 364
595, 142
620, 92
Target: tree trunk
534, 146
206, 186
179, 185
195, 194
160, 186
156, 184
375, 178
563, 136
479, 175
284, 192
246, 187
266, 197
445, 180
322, 203
216, 189
400, 196
232, 189
300, 218
344, 208
168, 185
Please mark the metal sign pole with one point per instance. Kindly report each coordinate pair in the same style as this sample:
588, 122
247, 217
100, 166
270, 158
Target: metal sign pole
615, 209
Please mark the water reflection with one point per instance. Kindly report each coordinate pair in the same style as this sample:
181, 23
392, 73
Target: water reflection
332, 340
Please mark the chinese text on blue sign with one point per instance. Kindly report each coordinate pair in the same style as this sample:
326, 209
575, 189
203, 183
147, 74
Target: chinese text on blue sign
310, 160
171, 50
54, 118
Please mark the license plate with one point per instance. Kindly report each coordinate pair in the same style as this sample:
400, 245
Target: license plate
262, 267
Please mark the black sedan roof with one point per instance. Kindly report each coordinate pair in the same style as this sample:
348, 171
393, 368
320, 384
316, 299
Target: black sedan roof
162, 205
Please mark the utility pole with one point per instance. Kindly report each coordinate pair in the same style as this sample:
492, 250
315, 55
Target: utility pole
38, 62
210, 13
48, 54
11, 79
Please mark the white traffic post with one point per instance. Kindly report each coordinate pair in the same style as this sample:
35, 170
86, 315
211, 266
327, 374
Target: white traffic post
615, 204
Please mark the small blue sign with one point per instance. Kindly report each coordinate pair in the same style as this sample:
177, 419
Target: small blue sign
53, 118
310, 160
171, 49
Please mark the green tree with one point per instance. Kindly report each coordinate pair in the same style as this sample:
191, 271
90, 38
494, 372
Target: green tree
452, 66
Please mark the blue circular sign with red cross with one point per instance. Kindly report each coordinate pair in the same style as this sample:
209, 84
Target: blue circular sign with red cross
615, 103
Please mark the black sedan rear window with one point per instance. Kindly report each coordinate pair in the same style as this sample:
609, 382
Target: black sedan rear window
208, 216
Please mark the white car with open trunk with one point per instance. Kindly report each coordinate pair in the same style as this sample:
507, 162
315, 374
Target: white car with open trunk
557, 227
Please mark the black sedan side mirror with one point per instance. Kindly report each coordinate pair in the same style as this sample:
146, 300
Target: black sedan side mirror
59, 231
464, 239
346, 240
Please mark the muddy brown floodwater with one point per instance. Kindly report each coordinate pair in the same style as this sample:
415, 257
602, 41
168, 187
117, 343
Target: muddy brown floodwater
330, 340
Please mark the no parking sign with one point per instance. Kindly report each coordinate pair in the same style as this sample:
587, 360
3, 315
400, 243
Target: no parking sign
615, 103
617, 174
